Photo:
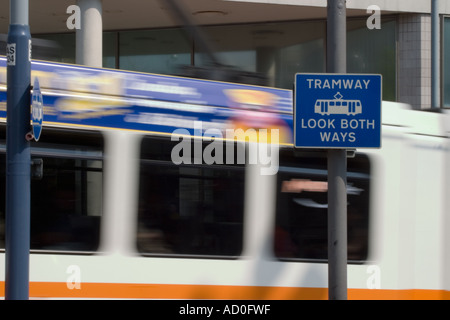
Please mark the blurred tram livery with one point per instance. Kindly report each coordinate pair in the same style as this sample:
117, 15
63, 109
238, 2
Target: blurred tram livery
114, 217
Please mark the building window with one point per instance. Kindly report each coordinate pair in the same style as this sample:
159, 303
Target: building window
446, 62
110, 42
278, 50
156, 51
62, 47
373, 51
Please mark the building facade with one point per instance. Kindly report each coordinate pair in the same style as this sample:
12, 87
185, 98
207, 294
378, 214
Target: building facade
277, 38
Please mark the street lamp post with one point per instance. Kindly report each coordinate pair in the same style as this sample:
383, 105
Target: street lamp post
17, 240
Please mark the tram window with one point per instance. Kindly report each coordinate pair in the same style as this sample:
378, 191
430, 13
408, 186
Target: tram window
66, 203
188, 209
301, 212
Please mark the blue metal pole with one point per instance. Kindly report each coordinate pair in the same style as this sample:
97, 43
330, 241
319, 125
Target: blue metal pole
17, 245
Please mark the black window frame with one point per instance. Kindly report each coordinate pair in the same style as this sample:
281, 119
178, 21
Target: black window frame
57, 148
312, 165
234, 223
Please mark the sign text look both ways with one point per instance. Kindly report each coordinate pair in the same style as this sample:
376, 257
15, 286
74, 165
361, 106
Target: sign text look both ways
337, 111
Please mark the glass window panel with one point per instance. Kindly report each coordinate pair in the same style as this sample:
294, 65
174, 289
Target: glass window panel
373, 51
244, 60
307, 54
446, 62
277, 50
194, 210
155, 51
59, 47
229, 44
66, 203
302, 207
109, 49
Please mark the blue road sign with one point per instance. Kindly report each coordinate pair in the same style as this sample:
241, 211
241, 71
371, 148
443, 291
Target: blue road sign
337, 111
37, 110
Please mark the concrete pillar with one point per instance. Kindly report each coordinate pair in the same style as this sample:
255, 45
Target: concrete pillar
89, 38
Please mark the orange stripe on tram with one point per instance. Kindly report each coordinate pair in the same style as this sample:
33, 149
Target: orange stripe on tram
178, 291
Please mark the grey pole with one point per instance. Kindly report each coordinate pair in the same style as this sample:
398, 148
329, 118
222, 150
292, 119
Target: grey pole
18, 12
337, 162
18, 158
435, 54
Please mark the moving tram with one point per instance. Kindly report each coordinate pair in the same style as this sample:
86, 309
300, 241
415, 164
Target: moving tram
114, 217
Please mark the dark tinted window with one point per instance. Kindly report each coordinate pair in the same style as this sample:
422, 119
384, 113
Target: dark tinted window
301, 214
188, 209
66, 202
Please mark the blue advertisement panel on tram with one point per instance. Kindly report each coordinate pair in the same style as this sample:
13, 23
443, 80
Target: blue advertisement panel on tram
90, 97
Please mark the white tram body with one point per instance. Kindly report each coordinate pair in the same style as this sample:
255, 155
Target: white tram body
405, 228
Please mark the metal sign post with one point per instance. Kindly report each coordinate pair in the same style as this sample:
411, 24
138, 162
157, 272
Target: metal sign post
18, 160
337, 111
337, 161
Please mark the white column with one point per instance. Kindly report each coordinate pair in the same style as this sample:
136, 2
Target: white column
89, 38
